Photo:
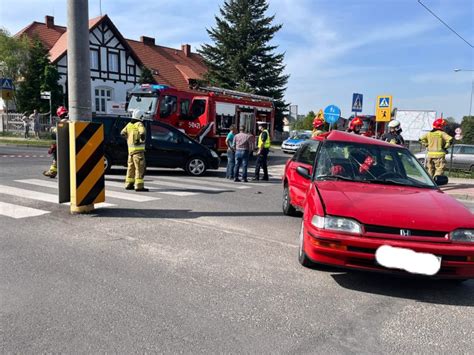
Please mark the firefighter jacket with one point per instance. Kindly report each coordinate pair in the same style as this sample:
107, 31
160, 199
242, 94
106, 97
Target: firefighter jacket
436, 142
264, 140
135, 133
393, 138
317, 132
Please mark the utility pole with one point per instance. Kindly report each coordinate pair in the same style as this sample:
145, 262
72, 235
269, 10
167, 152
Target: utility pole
78, 61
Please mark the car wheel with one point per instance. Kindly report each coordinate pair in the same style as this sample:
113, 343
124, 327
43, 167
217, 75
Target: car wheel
288, 208
107, 164
302, 257
195, 166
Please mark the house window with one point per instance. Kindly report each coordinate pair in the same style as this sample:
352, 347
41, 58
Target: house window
94, 59
113, 62
102, 95
131, 69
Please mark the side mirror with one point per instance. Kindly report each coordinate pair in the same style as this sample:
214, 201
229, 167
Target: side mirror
441, 180
303, 172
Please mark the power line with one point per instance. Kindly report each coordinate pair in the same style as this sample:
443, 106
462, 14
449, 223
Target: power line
444, 23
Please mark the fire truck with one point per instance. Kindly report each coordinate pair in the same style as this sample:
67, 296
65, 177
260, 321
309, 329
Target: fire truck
206, 113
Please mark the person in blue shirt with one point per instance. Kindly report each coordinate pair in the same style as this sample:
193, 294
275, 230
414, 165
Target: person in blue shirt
230, 152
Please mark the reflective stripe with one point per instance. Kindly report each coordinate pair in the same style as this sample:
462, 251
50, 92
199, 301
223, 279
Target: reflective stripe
139, 181
129, 180
436, 154
267, 143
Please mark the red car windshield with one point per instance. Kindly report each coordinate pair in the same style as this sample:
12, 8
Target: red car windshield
370, 163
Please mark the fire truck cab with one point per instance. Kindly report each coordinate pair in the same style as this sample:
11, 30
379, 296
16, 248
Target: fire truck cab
205, 115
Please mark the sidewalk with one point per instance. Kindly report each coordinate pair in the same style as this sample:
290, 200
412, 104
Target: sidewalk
459, 188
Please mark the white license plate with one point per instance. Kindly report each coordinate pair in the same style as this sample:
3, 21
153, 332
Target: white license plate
408, 260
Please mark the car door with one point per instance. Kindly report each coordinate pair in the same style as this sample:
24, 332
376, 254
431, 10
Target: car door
164, 146
457, 157
465, 159
117, 146
298, 185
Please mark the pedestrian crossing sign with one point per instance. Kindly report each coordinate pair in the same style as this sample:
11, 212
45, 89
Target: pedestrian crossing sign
384, 102
357, 100
384, 108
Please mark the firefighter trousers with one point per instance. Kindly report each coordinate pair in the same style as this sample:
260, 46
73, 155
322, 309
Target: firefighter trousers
136, 170
435, 165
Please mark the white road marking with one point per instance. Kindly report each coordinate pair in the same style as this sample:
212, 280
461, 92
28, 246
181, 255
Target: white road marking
185, 185
216, 182
108, 193
173, 193
39, 196
16, 211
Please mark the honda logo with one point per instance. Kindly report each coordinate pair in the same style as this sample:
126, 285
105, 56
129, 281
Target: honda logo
405, 232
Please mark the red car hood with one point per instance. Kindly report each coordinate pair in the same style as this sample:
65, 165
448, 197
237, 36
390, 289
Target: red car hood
394, 206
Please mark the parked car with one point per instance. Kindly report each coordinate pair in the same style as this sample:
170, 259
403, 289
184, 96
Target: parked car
370, 205
292, 144
463, 157
166, 147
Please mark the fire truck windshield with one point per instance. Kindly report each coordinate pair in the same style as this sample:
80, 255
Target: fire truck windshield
147, 104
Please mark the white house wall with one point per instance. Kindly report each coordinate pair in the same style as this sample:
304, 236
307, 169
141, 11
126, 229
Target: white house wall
103, 39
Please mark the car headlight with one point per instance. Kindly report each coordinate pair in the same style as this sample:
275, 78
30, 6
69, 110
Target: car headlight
214, 154
338, 224
462, 235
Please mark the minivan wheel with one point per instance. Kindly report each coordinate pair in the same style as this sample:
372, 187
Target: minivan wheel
195, 166
107, 164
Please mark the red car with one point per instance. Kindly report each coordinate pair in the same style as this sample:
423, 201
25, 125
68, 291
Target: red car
370, 205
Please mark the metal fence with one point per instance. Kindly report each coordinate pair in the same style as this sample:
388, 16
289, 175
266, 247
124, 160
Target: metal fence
13, 122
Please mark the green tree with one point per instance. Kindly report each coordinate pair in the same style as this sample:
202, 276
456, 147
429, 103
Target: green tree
451, 126
38, 74
13, 55
305, 123
146, 77
241, 57
467, 126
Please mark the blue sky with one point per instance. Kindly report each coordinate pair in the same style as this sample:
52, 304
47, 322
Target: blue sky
333, 47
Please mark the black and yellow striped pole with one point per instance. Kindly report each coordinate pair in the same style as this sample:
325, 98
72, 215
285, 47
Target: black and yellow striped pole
87, 181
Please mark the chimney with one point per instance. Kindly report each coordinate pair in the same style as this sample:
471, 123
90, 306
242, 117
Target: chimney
49, 20
186, 48
149, 41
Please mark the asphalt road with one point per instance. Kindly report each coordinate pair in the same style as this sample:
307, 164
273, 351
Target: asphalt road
208, 268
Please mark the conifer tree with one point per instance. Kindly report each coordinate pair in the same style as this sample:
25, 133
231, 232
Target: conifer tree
146, 77
241, 57
38, 74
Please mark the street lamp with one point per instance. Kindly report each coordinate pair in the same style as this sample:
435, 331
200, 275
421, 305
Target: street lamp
472, 87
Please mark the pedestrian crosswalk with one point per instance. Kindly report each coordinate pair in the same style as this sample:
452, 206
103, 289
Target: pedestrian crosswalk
21, 196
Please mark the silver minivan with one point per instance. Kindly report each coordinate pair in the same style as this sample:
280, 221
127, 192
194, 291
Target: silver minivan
463, 157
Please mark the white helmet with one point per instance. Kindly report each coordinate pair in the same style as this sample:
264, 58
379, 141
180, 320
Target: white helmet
394, 124
137, 114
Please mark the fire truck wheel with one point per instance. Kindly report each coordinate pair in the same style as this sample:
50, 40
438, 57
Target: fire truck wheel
196, 166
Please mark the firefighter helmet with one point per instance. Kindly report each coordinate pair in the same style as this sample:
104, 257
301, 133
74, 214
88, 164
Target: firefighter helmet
137, 114
356, 122
317, 123
394, 124
439, 123
61, 111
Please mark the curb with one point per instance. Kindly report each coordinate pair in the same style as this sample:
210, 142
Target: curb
465, 197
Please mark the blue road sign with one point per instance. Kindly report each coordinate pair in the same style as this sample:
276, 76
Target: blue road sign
384, 102
6, 84
332, 114
357, 100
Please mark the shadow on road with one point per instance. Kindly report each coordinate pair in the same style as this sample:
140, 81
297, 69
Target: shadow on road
177, 214
447, 292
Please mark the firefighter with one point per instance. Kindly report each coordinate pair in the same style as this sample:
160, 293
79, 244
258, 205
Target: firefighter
437, 142
355, 126
318, 127
62, 114
263, 146
135, 133
394, 136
